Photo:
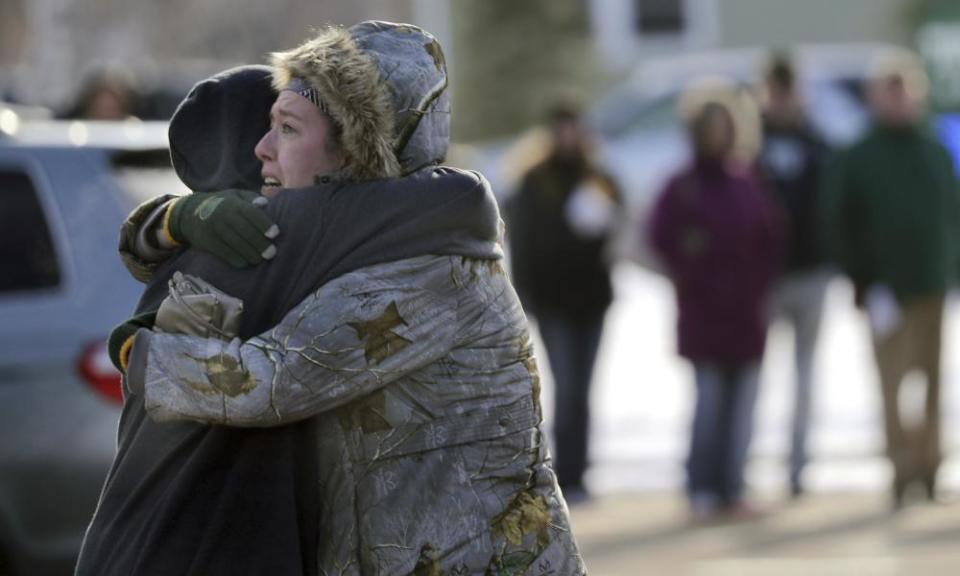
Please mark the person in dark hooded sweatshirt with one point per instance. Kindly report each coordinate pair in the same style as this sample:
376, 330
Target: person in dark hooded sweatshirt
416, 370
791, 162
190, 499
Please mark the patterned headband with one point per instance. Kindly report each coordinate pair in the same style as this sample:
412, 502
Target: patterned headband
303, 88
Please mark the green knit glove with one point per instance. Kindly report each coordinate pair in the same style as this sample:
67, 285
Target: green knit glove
117, 344
229, 224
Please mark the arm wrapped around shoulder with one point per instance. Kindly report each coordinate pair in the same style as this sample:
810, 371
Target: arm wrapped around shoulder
356, 334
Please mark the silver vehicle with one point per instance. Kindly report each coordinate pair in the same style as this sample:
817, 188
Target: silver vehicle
64, 190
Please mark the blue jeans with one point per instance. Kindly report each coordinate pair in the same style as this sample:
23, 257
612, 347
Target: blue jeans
722, 427
572, 345
799, 299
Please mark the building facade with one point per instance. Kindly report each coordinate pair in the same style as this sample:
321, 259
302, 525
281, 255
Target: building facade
628, 31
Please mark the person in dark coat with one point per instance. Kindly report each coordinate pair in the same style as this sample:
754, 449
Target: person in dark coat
559, 223
893, 227
791, 162
713, 226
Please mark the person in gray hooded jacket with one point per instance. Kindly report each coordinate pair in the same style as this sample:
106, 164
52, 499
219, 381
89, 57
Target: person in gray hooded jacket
420, 370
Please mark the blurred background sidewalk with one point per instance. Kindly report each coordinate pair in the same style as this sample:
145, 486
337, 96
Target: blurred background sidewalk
823, 535
638, 521
643, 397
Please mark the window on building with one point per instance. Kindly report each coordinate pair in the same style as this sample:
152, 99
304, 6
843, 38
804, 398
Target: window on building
28, 260
660, 16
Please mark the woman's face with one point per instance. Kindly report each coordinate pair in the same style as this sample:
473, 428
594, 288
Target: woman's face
300, 146
715, 138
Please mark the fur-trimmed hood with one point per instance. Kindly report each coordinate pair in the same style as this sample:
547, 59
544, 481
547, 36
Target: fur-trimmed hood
385, 84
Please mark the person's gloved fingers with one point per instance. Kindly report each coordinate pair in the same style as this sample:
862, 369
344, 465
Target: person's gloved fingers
240, 224
252, 235
261, 223
224, 252
259, 219
229, 236
244, 195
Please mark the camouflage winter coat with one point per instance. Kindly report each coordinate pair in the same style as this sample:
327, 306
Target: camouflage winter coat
432, 460
419, 372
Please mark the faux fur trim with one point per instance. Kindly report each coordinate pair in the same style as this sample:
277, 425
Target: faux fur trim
349, 84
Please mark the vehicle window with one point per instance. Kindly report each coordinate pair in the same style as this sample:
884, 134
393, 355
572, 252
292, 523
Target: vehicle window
28, 260
142, 184
144, 175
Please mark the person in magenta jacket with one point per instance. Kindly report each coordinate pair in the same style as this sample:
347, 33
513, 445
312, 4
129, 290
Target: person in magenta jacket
715, 231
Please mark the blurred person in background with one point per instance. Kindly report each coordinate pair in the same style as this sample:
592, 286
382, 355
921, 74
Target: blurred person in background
893, 226
790, 162
104, 95
713, 226
560, 221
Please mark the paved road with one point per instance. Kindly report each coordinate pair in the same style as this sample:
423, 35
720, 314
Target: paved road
642, 399
826, 534
637, 522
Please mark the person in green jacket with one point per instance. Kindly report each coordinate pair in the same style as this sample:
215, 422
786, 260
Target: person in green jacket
892, 217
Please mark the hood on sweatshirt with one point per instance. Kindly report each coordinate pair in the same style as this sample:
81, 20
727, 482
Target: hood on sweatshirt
215, 129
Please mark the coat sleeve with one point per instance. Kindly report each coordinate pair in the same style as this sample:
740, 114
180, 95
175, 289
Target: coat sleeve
354, 335
949, 175
138, 256
773, 231
835, 217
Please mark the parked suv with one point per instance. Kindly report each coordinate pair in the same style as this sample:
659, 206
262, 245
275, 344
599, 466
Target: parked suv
64, 190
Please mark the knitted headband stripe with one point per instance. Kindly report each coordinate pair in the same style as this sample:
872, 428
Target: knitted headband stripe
301, 87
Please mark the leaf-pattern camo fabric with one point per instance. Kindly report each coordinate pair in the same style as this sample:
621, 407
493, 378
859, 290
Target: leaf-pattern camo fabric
431, 455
